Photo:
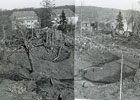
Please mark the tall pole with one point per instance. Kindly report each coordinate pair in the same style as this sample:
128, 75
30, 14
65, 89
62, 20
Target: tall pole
4, 35
81, 18
121, 78
32, 30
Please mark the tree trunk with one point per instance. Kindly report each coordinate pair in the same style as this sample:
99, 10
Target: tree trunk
63, 37
32, 33
58, 54
29, 58
4, 35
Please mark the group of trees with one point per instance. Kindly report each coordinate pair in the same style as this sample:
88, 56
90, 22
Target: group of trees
21, 36
119, 19
45, 13
132, 19
62, 22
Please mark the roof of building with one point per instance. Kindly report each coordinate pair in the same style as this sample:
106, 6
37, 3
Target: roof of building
88, 22
68, 12
21, 14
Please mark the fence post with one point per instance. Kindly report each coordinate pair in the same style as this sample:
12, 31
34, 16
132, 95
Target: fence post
121, 78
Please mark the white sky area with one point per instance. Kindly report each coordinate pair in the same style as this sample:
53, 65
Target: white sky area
119, 4
11, 4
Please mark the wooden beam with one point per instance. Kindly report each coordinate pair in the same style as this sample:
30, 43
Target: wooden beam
121, 78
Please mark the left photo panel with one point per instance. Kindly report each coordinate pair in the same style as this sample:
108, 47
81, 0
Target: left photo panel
37, 49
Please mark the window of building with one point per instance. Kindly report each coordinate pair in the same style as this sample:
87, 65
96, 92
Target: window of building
28, 26
86, 24
24, 17
28, 21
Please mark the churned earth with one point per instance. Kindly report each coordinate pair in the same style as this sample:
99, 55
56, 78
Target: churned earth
97, 67
49, 80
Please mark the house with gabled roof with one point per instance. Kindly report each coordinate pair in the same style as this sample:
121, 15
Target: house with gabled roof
70, 15
27, 18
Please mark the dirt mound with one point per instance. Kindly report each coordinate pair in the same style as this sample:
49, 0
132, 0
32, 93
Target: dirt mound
14, 72
51, 53
100, 56
43, 62
36, 86
88, 88
19, 58
109, 72
51, 88
101, 66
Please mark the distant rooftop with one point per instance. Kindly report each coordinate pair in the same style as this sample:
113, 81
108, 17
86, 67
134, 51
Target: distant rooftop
24, 14
68, 12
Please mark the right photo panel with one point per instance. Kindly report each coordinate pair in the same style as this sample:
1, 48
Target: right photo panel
107, 50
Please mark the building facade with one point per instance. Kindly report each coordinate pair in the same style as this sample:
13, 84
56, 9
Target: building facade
27, 18
72, 18
86, 26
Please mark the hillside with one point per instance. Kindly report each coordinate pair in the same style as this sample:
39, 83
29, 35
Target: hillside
92, 13
72, 7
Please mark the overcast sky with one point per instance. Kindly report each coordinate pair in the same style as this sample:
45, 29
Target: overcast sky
120, 4
11, 4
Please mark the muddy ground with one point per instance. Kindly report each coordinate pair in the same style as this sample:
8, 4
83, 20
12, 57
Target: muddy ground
49, 80
97, 67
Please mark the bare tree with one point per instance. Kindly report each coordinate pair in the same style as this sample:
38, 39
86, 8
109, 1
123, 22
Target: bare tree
25, 42
134, 20
46, 12
4, 23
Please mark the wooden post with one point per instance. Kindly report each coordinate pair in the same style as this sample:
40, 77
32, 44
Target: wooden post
32, 30
121, 78
4, 35
81, 18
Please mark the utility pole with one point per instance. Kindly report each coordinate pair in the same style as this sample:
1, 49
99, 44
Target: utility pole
81, 18
4, 35
121, 78
32, 30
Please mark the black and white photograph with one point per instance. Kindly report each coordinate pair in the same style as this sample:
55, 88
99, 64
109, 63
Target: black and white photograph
107, 50
37, 49
69, 50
